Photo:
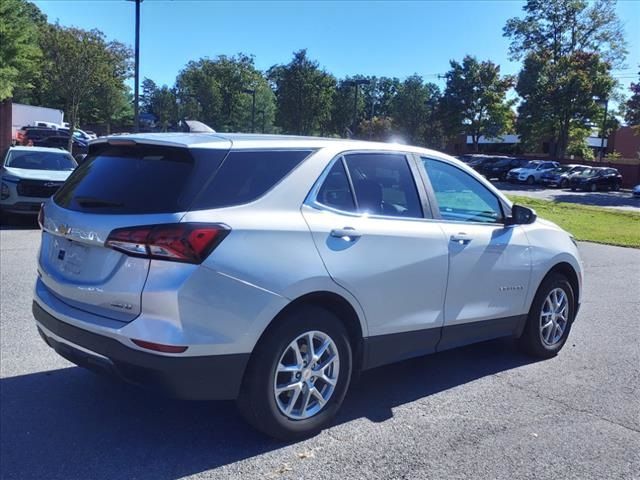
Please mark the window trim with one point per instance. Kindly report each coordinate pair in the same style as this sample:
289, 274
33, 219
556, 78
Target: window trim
504, 207
312, 197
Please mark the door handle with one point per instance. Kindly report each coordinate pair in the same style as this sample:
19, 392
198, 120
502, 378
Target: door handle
349, 234
461, 239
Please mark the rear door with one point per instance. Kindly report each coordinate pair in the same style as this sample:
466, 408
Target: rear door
118, 186
369, 225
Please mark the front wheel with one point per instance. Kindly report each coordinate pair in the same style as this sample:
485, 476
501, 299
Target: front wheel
530, 180
564, 183
298, 375
550, 318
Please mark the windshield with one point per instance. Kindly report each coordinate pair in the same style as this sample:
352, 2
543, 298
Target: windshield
39, 160
532, 164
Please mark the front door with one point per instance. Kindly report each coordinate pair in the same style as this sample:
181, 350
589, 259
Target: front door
489, 263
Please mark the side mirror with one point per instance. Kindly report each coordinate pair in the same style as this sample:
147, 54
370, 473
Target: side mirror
521, 215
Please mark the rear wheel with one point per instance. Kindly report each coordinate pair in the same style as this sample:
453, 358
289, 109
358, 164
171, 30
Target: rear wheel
298, 375
550, 318
616, 186
564, 183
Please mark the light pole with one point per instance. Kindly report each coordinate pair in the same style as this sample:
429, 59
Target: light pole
252, 92
262, 112
355, 83
136, 87
603, 102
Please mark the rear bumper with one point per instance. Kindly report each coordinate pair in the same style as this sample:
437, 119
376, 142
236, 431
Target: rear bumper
216, 377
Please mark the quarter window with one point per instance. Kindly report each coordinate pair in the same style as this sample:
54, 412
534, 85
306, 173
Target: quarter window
461, 197
335, 191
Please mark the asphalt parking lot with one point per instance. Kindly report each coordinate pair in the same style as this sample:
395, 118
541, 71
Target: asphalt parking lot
620, 200
483, 411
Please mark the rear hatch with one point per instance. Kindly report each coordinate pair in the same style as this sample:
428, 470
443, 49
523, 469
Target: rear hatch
118, 186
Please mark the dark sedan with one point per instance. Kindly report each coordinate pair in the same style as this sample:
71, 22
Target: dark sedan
61, 141
599, 178
499, 168
561, 175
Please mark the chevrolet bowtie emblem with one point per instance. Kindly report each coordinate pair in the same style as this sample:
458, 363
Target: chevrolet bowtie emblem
64, 229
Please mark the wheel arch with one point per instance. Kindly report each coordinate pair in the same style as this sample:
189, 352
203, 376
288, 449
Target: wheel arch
568, 271
336, 304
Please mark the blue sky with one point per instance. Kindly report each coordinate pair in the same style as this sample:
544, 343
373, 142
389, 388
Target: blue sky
391, 38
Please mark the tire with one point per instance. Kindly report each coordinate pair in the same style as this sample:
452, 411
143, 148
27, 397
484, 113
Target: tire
258, 402
616, 187
593, 187
530, 180
564, 183
573, 189
531, 341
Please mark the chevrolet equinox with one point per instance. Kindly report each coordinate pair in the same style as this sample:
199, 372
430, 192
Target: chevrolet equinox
271, 269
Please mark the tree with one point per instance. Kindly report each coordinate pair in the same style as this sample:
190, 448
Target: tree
632, 114
474, 101
342, 108
304, 94
149, 88
412, 107
109, 98
569, 48
19, 50
78, 63
214, 91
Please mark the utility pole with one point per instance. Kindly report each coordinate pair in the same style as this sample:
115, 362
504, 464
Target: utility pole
136, 88
252, 92
604, 128
355, 83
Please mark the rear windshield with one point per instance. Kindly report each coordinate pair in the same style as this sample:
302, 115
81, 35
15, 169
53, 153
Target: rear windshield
39, 160
138, 179
148, 179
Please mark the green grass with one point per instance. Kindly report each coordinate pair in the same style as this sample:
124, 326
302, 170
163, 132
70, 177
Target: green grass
591, 224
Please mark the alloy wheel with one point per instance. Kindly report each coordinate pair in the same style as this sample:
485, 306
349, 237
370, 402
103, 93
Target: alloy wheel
306, 375
554, 317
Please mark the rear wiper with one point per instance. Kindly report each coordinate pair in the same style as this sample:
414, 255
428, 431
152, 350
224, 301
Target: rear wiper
91, 202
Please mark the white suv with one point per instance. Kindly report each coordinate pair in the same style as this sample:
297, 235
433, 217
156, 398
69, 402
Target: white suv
30, 175
532, 172
270, 269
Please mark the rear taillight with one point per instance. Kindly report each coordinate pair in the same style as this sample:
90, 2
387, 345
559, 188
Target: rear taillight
178, 242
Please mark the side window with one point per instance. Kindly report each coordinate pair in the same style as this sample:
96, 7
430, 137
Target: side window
384, 184
246, 175
335, 191
460, 196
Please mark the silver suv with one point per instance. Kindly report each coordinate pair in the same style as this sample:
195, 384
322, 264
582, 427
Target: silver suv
270, 269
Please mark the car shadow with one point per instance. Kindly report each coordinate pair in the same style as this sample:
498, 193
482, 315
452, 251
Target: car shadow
18, 222
599, 199
70, 423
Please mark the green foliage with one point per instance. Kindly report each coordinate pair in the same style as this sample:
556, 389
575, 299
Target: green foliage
569, 47
613, 156
632, 106
378, 129
591, 224
214, 92
413, 110
19, 50
474, 101
304, 94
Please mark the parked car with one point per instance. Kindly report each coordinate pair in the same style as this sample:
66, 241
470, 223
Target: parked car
636, 191
500, 168
598, 178
271, 269
531, 172
30, 135
559, 177
80, 134
30, 175
62, 141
